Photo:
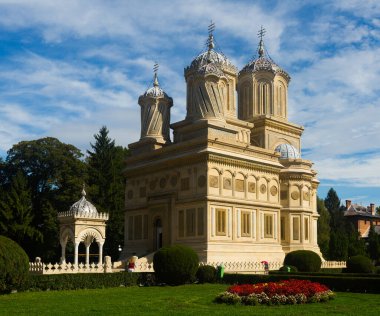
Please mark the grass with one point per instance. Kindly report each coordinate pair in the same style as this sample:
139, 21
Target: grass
180, 300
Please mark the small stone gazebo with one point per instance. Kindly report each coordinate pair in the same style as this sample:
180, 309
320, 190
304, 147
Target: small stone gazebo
82, 223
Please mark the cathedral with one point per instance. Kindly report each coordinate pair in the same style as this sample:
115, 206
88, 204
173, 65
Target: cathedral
231, 184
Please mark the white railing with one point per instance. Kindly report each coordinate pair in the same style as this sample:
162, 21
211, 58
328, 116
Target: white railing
60, 268
333, 264
143, 265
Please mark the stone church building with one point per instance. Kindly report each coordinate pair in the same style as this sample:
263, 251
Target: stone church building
231, 183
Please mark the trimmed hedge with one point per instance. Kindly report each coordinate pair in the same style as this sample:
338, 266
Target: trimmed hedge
77, 281
304, 260
14, 265
360, 264
357, 275
288, 269
206, 274
175, 264
340, 284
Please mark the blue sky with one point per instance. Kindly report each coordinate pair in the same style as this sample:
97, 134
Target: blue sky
69, 67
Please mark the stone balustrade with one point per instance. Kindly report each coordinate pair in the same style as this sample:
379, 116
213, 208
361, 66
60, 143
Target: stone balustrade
143, 265
80, 214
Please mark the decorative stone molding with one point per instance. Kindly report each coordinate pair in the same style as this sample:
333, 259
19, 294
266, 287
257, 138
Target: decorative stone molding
295, 195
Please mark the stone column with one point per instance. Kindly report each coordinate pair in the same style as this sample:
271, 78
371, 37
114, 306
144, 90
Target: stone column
63, 253
87, 254
76, 253
100, 262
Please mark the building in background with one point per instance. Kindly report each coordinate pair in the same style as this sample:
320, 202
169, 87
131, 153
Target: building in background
231, 184
362, 217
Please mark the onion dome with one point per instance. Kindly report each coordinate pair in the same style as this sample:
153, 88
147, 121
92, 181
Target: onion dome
83, 206
288, 151
263, 62
211, 56
155, 91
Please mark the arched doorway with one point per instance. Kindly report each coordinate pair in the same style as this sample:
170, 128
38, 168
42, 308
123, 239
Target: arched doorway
157, 234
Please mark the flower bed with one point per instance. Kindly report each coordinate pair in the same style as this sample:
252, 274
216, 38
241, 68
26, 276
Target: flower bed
276, 293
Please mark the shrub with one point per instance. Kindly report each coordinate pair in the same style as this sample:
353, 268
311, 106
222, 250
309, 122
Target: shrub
77, 281
206, 274
359, 264
14, 265
288, 269
304, 260
175, 264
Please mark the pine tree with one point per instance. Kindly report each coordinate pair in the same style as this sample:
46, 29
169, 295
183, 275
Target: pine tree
332, 203
323, 227
106, 162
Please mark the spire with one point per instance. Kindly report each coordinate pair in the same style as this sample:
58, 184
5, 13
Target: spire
210, 41
84, 190
261, 34
155, 78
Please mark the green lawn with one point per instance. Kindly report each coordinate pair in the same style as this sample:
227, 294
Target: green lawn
180, 300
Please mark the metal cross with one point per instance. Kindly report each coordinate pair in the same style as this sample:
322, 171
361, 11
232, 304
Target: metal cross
211, 27
155, 67
261, 33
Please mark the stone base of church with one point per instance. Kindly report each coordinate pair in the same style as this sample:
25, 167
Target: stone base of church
228, 252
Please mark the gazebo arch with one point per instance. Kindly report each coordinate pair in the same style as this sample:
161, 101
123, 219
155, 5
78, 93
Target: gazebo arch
82, 223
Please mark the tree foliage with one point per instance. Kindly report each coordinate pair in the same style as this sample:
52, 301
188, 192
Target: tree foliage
373, 244
323, 227
16, 213
106, 162
54, 174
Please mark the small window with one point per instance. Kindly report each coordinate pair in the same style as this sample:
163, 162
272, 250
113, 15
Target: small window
200, 221
181, 224
221, 222
190, 222
246, 224
282, 228
268, 226
138, 227
306, 228
130, 227
296, 228
146, 226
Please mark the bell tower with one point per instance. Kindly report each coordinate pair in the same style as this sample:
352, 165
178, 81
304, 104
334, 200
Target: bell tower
263, 100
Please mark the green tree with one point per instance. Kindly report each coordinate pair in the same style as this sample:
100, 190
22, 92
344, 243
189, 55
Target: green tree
16, 217
356, 245
106, 162
55, 174
338, 246
332, 203
373, 244
323, 227
378, 210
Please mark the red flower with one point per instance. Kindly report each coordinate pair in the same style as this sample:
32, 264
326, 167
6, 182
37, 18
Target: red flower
287, 287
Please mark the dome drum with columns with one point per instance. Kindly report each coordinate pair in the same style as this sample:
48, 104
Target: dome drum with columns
232, 184
82, 224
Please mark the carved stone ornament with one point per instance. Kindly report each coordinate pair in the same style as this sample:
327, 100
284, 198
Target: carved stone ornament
130, 194
213, 181
185, 184
201, 181
152, 184
174, 180
162, 183
263, 188
306, 196
273, 190
251, 187
295, 195
227, 183
239, 185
